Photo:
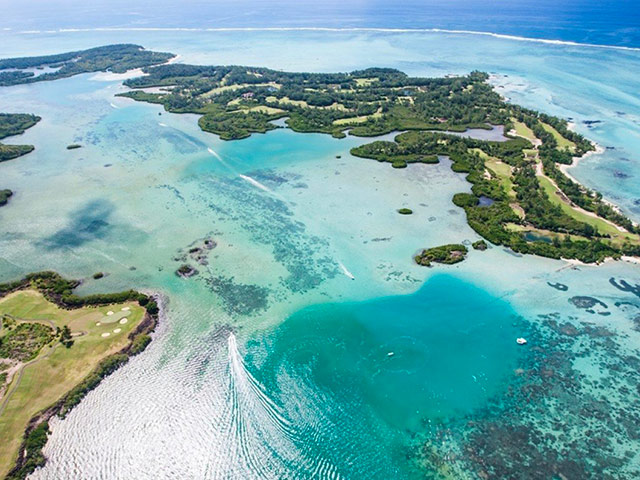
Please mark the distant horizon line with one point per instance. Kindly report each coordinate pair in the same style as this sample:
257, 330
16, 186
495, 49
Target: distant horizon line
335, 29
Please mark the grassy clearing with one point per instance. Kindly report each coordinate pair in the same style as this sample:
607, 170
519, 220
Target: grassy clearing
563, 143
263, 109
56, 369
365, 82
503, 172
523, 131
303, 104
541, 232
602, 226
238, 86
357, 120
499, 169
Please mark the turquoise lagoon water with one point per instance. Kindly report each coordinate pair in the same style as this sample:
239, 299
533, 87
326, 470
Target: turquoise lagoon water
274, 361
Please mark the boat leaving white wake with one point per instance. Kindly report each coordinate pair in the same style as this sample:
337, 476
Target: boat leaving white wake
255, 183
346, 271
266, 441
214, 153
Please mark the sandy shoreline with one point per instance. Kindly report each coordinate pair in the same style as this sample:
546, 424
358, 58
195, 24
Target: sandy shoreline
133, 73
572, 262
599, 149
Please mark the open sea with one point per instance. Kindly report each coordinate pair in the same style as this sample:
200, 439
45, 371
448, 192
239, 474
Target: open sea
310, 345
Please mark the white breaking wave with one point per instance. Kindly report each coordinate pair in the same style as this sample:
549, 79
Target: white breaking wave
346, 271
255, 183
343, 29
113, 105
162, 124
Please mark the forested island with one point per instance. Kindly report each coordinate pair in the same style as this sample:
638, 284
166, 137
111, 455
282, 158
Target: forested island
113, 58
520, 198
15, 124
4, 196
447, 254
55, 347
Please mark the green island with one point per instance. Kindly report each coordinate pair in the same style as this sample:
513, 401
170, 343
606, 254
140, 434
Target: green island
12, 124
479, 245
4, 196
73, 146
55, 347
405, 211
113, 58
520, 198
447, 254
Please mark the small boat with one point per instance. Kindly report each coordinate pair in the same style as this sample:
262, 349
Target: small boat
390, 354
521, 341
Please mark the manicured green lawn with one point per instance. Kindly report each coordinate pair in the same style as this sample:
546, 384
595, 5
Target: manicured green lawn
523, 131
562, 142
599, 224
57, 369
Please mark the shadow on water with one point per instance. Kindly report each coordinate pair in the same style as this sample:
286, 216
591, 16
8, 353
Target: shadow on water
89, 223
182, 142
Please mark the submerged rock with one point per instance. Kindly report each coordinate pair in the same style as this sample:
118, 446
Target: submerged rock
186, 271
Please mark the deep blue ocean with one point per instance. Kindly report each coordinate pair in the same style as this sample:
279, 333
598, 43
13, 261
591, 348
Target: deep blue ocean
586, 21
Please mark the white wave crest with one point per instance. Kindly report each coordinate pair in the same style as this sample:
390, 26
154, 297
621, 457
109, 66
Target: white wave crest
342, 29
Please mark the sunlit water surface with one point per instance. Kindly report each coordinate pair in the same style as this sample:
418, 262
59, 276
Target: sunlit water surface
310, 345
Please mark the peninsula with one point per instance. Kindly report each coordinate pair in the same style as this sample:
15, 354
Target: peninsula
113, 58
54, 348
520, 197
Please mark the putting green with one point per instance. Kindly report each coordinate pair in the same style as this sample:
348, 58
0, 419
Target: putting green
116, 317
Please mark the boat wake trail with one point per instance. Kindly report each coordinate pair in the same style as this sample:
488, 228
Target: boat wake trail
256, 183
267, 443
346, 271
215, 154
221, 160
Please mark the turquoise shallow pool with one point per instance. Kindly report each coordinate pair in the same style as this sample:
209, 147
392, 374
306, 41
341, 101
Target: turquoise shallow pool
382, 369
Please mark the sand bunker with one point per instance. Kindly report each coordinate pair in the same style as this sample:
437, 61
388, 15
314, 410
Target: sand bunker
126, 309
105, 334
123, 321
98, 324
109, 313
117, 330
114, 317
